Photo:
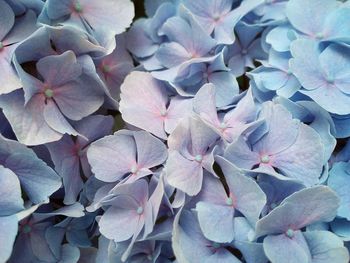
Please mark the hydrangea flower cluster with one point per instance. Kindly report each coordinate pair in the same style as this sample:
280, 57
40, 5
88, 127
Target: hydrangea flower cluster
206, 131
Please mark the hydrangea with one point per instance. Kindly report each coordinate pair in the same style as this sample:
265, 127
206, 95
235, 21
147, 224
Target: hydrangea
230, 124
12, 31
36, 243
70, 157
184, 131
191, 147
161, 111
131, 156
282, 228
287, 153
216, 206
21, 170
103, 19
276, 75
323, 82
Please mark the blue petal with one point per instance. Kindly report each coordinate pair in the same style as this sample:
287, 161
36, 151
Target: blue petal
56, 9
295, 212
60, 69
303, 17
28, 130
281, 37
337, 27
65, 158
216, 221
37, 179
69, 254
9, 227
246, 195
189, 35
281, 248
10, 190
7, 19
339, 181
23, 27
326, 247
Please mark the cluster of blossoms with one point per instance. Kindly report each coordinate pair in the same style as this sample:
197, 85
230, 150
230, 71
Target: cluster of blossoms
209, 131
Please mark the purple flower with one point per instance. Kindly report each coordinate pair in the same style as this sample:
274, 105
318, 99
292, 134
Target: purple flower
10, 204
37, 179
218, 18
126, 155
33, 243
283, 146
283, 228
70, 157
247, 48
12, 31
190, 151
51, 102
339, 181
113, 68
323, 25
106, 15
323, 81
216, 208
153, 111
276, 75
132, 210
229, 125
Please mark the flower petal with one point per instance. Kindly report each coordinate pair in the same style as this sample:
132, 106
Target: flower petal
10, 190
143, 101
28, 121
184, 174
303, 17
9, 228
60, 69
216, 221
326, 247
303, 208
7, 19
112, 157
247, 196
280, 249
151, 151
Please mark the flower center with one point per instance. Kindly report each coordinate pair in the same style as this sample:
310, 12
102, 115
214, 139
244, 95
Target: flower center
216, 17
215, 245
139, 210
291, 35
198, 158
319, 35
26, 229
77, 7
163, 113
265, 158
290, 233
1, 46
106, 69
149, 257
48, 93
330, 80
229, 201
223, 126
244, 52
133, 169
